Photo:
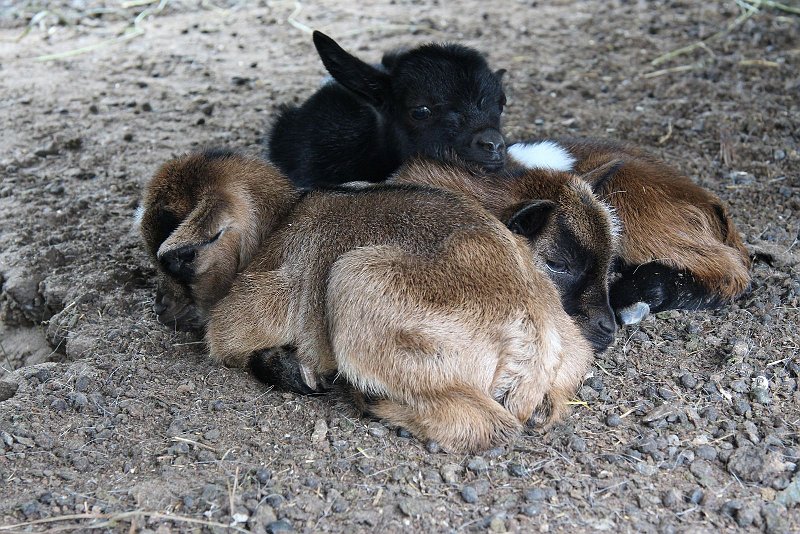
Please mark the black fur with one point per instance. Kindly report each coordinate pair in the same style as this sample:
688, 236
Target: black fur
439, 101
661, 287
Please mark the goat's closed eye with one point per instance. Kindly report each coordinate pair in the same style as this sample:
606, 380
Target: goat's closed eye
558, 266
420, 113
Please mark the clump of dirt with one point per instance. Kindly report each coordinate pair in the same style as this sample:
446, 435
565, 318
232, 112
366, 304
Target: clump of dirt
688, 423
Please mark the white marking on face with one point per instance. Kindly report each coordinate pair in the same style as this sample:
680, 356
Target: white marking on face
542, 155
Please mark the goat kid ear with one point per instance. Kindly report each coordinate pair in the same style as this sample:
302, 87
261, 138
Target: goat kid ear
599, 176
499, 74
361, 78
531, 219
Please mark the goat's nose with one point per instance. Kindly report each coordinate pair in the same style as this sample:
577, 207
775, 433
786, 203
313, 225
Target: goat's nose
489, 140
606, 324
159, 307
178, 262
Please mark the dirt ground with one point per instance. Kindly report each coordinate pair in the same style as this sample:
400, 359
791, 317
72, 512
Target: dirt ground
109, 420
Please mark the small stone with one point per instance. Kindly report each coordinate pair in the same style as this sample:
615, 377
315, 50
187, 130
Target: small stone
281, 525
688, 381
82, 383
578, 444
79, 400
127, 137
240, 518
147, 107
710, 414
740, 348
240, 80
30, 509
469, 494
377, 430
497, 524
450, 473
93, 109
433, 447
535, 494
8, 390
517, 470
702, 470
672, 499
596, 383
477, 464
403, 433
321, 431
613, 420
739, 386
759, 390
263, 475
741, 406
531, 510
212, 435
779, 155
207, 110
666, 394
696, 496
659, 412
706, 452
775, 518
745, 516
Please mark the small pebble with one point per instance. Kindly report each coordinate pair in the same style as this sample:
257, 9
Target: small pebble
706, 452
741, 406
403, 433
477, 464
671, 499
212, 435
696, 496
578, 444
517, 470
127, 137
281, 525
433, 447
469, 494
377, 430
613, 420
688, 381
263, 475
596, 383
450, 473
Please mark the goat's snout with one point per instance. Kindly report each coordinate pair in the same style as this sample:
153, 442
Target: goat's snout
178, 262
489, 140
488, 148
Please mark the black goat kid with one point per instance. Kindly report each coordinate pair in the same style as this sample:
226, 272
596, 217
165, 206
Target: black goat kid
437, 100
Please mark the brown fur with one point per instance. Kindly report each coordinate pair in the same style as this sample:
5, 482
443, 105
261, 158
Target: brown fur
577, 210
417, 297
668, 218
207, 195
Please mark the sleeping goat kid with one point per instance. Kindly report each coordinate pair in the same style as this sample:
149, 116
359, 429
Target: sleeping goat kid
437, 100
576, 244
679, 248
419, 299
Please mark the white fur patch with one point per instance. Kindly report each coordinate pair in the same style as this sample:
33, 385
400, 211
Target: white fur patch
138, 215
542, 155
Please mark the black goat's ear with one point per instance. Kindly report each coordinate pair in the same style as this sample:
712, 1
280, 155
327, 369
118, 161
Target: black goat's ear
499, 74
361, 78
599, 176
531, 219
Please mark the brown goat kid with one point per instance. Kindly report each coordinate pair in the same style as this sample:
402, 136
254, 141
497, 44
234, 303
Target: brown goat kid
679, 247
574, 246
421, 300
